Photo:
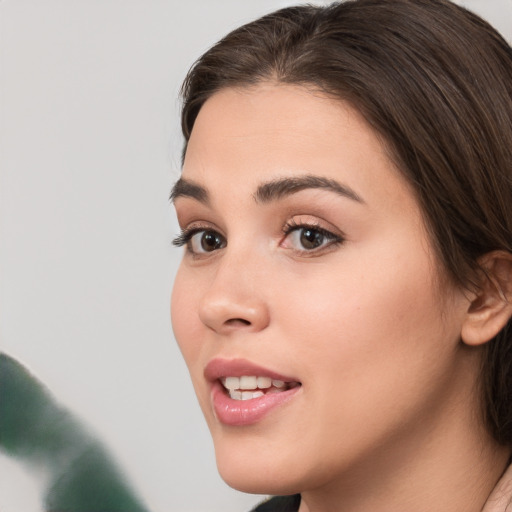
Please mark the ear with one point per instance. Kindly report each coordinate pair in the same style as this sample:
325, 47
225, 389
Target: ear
491, 306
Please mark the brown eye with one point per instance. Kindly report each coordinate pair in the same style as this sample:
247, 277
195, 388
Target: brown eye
206, 241
307, 238
210, 241
311, 238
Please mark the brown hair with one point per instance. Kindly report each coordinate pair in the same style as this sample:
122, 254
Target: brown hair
435, 81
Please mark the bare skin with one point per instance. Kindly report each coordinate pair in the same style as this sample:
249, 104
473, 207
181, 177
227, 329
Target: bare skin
335, 284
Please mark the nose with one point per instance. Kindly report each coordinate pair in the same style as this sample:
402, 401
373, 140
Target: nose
235, 299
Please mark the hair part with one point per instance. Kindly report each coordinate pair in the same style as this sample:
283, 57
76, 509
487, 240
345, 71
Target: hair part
435, 82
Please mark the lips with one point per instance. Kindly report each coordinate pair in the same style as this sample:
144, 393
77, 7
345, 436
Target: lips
243, 393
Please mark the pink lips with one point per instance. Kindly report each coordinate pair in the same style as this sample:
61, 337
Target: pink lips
243, 412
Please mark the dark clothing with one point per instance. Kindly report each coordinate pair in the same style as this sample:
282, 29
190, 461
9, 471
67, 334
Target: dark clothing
280, 504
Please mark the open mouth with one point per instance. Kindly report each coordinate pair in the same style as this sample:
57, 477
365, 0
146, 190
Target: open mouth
243, 393
250, 387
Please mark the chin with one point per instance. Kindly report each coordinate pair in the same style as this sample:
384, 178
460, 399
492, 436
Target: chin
257, 472
251, 483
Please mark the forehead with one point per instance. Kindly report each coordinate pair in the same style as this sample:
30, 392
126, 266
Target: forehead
245, 136
271, 118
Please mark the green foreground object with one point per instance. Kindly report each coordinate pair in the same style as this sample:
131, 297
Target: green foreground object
39, 433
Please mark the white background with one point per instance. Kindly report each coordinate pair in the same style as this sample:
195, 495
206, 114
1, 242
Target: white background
89, 148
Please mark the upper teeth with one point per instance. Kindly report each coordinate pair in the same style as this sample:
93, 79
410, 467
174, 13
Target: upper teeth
251, 382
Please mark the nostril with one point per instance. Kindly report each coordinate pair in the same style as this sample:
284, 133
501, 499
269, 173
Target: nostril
237, 322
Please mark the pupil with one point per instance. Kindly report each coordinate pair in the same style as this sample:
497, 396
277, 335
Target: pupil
310, 238
210, 241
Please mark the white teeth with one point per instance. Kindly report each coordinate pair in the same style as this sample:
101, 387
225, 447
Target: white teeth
249, 395
245, 395
264, 382
248, 382
231, 383
242, 388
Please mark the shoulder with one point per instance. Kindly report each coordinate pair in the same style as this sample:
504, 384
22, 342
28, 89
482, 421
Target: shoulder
500, 498
279, 504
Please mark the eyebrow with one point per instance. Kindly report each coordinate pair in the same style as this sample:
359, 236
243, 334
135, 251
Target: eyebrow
269, 191
187, 188
283, 187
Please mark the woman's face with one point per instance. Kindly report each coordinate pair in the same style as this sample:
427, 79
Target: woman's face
307, 268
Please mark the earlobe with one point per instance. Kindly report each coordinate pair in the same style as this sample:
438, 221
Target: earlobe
491, 308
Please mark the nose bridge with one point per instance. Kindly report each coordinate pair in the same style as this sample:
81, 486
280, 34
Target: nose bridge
236, 297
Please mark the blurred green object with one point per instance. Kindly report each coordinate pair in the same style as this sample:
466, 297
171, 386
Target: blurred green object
43, 435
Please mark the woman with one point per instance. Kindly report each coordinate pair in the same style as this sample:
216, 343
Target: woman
344, 299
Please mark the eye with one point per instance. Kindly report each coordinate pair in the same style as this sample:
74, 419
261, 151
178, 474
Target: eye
309, 238
200, 240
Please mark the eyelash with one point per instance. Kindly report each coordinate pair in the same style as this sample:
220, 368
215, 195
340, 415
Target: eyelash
185, 237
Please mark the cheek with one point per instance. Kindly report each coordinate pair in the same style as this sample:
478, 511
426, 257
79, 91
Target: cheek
373, 351
188, 331
359, 300
184, 302
376, 328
